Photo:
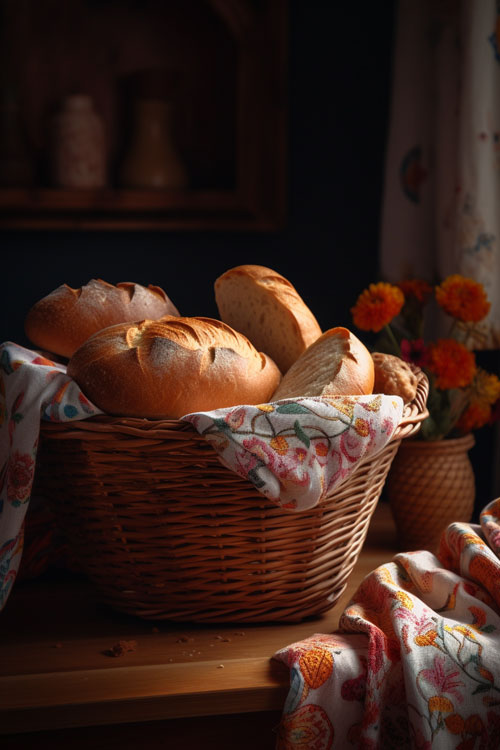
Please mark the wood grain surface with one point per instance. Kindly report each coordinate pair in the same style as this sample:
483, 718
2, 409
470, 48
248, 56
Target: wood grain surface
55, 671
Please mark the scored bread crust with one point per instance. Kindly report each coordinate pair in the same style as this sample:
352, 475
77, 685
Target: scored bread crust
264, 306
336, 364
65, 318
171, 367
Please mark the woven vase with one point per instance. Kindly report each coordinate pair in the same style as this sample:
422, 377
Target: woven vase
430, 485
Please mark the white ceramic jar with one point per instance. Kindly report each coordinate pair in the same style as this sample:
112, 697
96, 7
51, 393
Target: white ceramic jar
78, 153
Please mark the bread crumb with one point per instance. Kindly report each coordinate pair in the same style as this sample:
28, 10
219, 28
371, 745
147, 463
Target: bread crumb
221, 666
121, 648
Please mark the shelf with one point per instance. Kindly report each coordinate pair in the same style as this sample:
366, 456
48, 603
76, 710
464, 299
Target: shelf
228, 62
40, 208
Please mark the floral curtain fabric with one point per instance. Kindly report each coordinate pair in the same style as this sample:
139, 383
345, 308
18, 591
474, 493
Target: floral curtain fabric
441, 206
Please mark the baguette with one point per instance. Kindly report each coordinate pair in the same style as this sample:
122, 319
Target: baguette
336, 364
65, 318
171, 367
265, 307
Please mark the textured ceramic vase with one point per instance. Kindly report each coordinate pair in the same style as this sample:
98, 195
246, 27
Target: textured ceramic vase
430, 485
152, 160
78, 155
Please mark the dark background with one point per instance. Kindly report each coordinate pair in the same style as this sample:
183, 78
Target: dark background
339, 81
340, 61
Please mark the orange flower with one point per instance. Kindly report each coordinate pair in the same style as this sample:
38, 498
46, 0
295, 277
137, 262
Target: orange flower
453, 364
485, 391
416, 288
321, 449
474, 417
474, 724
485, 388
455, 723
377, 306
439, 703
463, 298
279, 444
426, 639
405, 600
362, 427
316, 666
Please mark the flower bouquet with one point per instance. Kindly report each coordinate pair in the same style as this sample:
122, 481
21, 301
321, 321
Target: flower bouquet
462, 396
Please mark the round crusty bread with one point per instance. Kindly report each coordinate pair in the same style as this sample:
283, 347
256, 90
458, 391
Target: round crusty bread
394, 376
171, 367
265, 307
336, 364
65, 318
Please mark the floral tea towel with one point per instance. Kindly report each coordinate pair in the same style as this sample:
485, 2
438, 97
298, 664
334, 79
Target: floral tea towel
416, 660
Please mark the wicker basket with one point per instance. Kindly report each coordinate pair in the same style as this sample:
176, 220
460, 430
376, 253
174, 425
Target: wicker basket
430, 485
166, 532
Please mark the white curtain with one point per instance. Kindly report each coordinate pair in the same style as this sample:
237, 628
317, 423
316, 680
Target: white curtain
441, 204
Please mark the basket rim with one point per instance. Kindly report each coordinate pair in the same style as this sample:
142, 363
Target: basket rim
414, 414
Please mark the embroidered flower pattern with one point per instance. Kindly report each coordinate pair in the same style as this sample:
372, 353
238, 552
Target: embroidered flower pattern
19, 477
297, 451
30, 386
414, 662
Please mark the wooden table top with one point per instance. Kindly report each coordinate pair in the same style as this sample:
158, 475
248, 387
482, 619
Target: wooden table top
55, 671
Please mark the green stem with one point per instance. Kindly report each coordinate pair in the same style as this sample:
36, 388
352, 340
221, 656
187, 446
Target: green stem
457, 407
394, 340
468, 333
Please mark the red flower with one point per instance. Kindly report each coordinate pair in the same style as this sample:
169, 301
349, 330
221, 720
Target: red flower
414, 351
20, 476
235, 418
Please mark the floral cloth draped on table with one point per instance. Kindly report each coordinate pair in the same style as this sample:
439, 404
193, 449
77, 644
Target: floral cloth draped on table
31, 388
416, 660
441, 210
294, 452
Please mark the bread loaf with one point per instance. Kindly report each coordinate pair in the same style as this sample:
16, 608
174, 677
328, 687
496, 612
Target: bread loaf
336, 364
394, 377
171, 367
65, 318
265, 307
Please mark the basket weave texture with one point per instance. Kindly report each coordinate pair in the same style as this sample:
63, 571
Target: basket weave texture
165, 531
430, 485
